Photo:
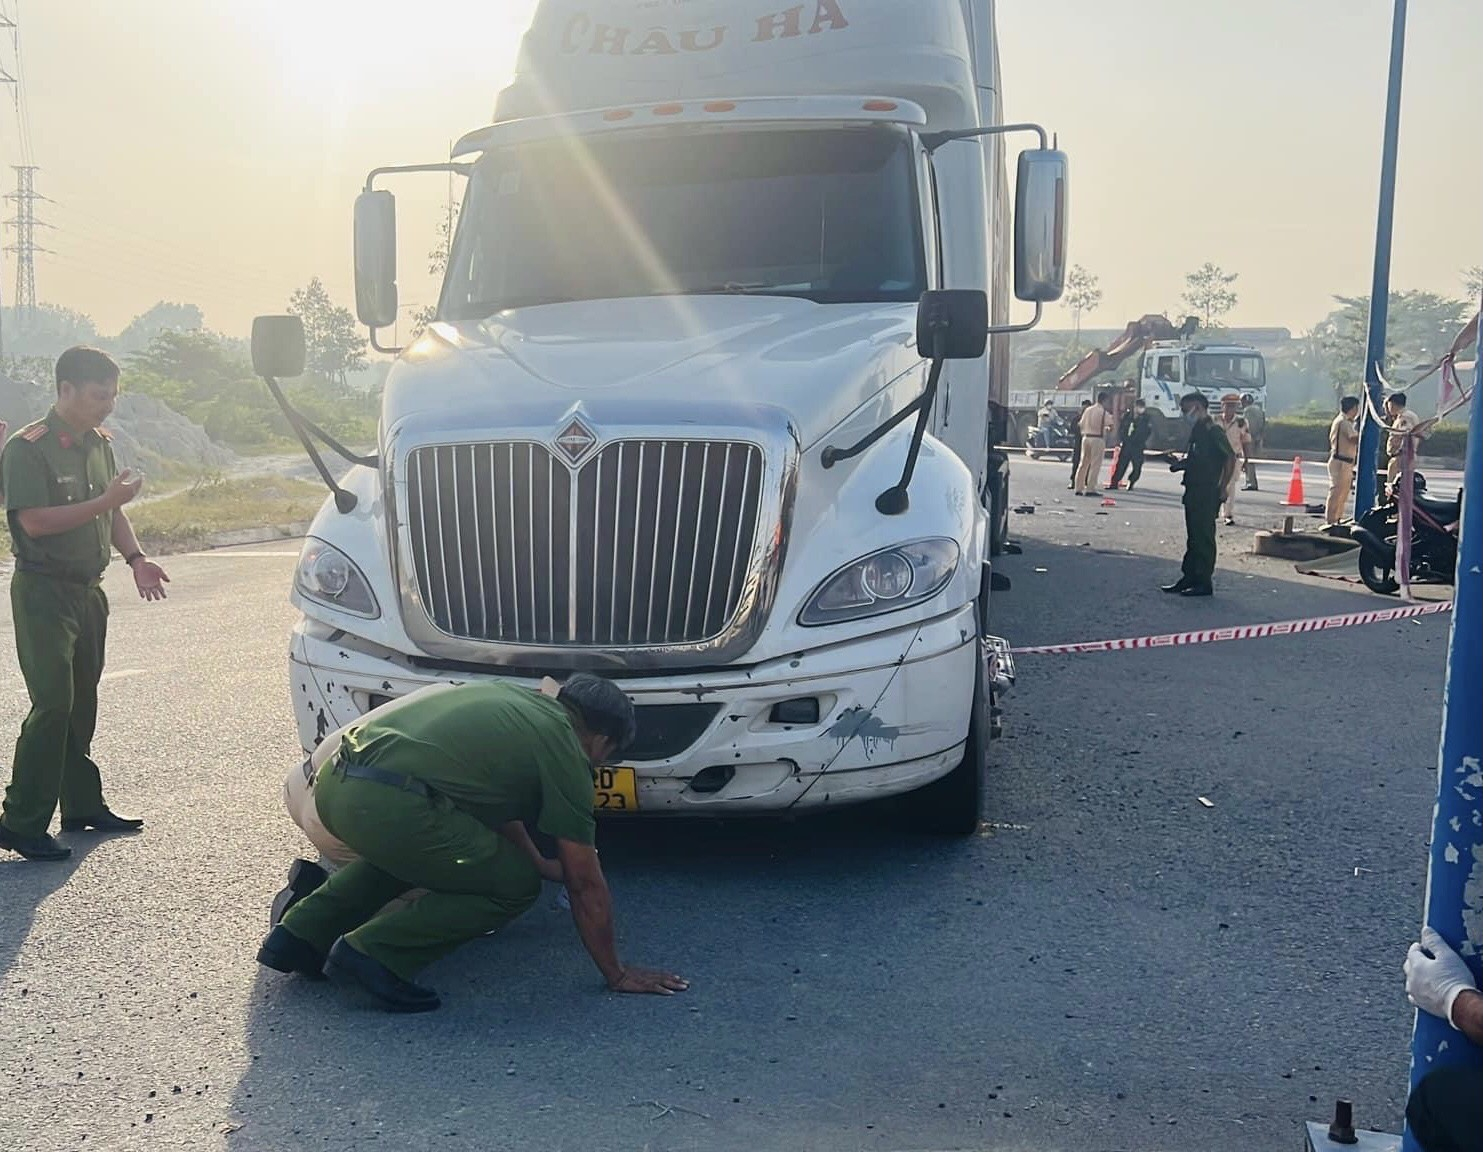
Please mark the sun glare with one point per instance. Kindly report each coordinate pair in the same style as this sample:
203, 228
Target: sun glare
343, 49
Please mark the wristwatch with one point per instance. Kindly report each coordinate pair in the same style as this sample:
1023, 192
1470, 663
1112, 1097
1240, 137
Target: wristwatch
129, 560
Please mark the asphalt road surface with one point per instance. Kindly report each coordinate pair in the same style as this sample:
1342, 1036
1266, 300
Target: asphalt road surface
1109, 964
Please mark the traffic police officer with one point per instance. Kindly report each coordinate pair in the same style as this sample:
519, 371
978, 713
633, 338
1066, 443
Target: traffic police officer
1208, 466
64, 501
435, 792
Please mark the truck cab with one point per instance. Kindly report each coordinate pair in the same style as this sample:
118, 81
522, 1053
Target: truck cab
1171, 369
709, 405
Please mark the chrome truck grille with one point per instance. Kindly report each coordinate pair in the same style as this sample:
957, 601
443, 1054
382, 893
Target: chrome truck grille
648, 544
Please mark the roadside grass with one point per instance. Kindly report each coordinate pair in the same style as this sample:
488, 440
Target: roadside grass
213, 504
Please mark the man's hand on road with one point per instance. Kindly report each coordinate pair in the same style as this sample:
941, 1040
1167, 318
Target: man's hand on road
123, 488
651, 981
150, 579
1434, 982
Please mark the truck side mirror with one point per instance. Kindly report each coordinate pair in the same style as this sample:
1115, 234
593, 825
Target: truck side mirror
953, 323
375, 259
278, 346
1040, 213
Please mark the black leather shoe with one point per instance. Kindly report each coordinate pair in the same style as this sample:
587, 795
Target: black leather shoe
282, 951
1197, 590
304, 877
1175, 588
104, 821
355, 969
41, 847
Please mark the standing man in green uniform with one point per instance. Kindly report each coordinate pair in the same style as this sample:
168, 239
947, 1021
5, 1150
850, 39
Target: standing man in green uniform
1208, 466
435, 793
64, 499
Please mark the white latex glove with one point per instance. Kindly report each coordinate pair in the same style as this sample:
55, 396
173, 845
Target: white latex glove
1433, 983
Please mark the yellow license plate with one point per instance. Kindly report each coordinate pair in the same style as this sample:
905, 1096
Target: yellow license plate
617, 790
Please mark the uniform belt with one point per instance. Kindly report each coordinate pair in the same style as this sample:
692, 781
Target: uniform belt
1343, 459
30, 567
389, 779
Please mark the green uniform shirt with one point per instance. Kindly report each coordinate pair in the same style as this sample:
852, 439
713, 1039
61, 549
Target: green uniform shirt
499, 751
47, 464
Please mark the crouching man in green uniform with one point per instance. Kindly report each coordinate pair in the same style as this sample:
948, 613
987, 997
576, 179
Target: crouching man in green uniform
64, 501
435, 794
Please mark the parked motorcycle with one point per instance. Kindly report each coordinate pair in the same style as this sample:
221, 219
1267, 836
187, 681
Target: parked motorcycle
1055, 439
1434, 534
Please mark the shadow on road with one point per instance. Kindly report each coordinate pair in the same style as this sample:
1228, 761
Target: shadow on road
24, 886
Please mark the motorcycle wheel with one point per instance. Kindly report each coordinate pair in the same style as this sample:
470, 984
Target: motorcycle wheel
1378, 573
1375, 569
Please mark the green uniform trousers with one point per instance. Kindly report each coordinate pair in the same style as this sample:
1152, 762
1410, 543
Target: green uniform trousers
1201, 507
477, 881
60, 631
1445, 1110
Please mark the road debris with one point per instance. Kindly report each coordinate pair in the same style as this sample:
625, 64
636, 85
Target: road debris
663, 1109
1206, 801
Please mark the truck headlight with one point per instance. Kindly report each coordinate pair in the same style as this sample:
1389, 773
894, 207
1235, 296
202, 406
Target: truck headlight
328, 576
884, 581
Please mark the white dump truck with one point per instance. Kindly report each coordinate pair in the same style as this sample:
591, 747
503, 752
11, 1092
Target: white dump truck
711, 406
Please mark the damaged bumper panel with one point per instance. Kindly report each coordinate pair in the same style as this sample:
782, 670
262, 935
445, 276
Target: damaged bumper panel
873, 718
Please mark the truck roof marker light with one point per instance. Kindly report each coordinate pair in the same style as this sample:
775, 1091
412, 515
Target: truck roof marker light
881, 106
721, 106
669, 109
618, 114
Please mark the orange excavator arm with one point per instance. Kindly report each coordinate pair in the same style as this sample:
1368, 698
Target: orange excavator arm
1136, 336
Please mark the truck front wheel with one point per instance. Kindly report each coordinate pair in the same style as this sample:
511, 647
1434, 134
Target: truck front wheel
952, 805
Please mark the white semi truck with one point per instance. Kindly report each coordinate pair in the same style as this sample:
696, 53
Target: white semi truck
712, 403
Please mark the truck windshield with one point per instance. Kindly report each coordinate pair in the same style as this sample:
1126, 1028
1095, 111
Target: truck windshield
830, 215
1242, 370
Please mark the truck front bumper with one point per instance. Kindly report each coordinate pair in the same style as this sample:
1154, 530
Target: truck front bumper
893, 712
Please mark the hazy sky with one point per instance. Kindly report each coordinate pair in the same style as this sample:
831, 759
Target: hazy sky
209, 150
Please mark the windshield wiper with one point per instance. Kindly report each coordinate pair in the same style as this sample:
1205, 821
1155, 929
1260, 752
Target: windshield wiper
731, 289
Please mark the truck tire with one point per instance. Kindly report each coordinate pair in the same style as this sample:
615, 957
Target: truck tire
998, 508
953, 805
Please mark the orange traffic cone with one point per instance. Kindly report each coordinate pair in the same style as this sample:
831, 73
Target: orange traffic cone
1112, 468
1295, 486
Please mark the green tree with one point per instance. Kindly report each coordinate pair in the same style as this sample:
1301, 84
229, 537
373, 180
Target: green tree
437, 259
165, 316
199, 358
1208, 292
46, 330
1472, 279
334, 344
1420, 328
1083, 295
437, 264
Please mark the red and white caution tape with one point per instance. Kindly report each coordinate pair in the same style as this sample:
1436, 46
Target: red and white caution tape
1241, 632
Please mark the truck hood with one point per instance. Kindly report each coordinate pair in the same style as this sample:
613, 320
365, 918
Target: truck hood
659, 359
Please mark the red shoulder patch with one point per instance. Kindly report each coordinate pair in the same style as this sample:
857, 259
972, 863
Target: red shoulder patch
33, 433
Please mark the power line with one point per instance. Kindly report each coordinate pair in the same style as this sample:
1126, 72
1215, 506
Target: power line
25, 247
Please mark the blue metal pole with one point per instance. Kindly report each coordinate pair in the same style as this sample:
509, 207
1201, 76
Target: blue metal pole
1369, 443
1454, 885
